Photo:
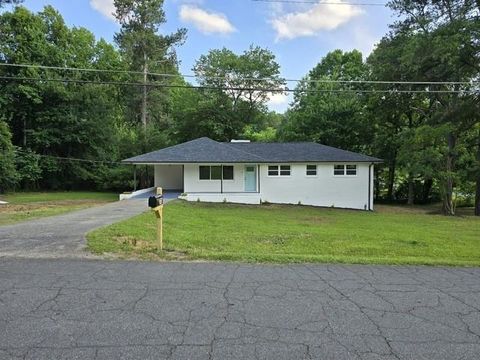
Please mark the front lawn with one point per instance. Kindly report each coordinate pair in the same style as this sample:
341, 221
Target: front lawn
276, 233
30, 205
39, 196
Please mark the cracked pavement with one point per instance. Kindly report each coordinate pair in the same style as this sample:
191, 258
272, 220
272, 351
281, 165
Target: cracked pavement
96, 309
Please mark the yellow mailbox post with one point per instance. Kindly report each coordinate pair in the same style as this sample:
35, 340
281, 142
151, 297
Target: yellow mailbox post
156, 203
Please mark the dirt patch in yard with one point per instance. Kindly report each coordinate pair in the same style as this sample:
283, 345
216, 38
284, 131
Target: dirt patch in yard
9, 208
11, 213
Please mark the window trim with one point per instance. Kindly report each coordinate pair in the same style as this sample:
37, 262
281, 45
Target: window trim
306, 170
344, 167
279, 170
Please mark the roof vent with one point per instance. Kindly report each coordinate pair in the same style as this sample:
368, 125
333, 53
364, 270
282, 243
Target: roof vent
239, 141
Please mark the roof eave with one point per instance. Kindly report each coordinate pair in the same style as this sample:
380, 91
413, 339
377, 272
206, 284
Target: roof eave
149, 162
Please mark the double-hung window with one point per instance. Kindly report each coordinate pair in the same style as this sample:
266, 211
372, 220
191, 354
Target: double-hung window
279, 170
341, 170
351, 169
207, 172
273, 170
311, 170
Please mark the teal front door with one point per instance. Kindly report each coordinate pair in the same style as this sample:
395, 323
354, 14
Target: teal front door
250, 178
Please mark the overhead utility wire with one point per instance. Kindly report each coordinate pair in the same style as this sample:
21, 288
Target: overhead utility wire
272, 90
246, 78
321, 2
71, 159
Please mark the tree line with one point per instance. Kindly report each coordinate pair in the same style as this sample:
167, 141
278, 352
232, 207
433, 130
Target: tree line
414, 101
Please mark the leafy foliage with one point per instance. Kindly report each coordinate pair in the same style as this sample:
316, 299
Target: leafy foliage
327, 113
57, 134
8, 173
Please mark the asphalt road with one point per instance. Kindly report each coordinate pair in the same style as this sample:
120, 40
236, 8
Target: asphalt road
63, 235
85, 309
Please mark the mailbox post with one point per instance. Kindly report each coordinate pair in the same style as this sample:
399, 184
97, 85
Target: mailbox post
156, 203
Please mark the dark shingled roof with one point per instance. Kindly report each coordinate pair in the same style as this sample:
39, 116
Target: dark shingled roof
205, 150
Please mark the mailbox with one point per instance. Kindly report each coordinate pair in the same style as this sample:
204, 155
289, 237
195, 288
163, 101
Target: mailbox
154, 201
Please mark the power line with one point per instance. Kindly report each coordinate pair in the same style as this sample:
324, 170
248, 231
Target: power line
321, 2
70, 158
321, 81
271, 90
67, 68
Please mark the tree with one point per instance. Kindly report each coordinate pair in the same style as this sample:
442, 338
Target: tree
395, 114
144, 48
230, 101
8, 173
443, 47
327, 112
51, 118
9, 2
477, 181
248, 79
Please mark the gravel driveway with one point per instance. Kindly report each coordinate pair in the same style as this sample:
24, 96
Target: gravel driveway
63, 235
85, 309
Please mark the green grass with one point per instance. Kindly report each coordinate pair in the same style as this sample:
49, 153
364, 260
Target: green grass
30, 205
29, 197
282, 234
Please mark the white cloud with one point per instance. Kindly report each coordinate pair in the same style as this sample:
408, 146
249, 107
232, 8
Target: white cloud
317, 18
278, 99
104, 7
279, 102
206, 22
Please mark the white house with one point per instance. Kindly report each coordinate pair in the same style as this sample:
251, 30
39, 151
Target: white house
252, 173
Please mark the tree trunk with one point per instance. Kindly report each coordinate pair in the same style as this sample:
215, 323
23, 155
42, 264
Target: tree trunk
411, 190
391, 178
448, 204
477, 193
377, 184
427, 187
24, 132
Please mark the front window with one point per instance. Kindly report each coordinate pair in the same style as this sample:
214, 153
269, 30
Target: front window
228, 173
311, 170
273, 170
279, 170
216, 172
349, 170
284, 170
204, 172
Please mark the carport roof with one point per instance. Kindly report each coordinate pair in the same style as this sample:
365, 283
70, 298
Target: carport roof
206, 150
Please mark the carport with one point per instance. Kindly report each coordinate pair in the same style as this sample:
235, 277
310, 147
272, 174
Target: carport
169, 177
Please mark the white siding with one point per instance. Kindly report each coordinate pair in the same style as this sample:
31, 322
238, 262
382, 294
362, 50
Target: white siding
194, 184
169, 177
325, 189
239, 198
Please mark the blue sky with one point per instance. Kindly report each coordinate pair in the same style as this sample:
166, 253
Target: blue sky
298, 34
